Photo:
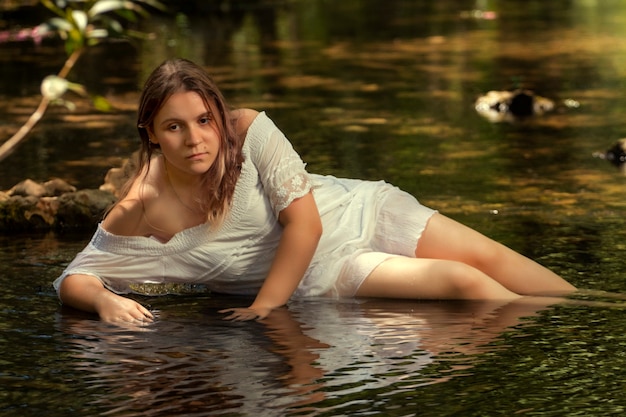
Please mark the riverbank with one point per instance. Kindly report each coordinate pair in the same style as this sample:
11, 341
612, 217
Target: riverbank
56, 205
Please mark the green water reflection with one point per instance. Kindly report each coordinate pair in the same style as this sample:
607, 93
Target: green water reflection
370, 89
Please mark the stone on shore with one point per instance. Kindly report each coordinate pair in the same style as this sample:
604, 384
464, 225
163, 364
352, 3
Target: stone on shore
54, 205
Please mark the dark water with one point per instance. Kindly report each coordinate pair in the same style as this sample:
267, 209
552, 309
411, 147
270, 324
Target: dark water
363, 89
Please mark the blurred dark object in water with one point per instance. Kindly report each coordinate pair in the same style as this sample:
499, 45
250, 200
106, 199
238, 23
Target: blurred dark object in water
511, 106
616, 154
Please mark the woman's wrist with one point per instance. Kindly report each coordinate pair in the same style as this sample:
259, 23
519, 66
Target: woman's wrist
101, 298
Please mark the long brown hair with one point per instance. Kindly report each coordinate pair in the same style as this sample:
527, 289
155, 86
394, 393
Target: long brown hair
181, 75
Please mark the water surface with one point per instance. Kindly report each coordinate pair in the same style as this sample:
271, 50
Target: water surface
363, 89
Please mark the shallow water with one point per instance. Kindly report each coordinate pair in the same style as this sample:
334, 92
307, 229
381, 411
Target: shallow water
363, 90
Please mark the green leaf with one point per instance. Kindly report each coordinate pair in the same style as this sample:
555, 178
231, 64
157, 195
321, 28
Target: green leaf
155, 4
127, 14
65, 103
115, 26
77, 88
101, 103
104, 6
139, 35
80, 19
98, 34
59, 24
126, 8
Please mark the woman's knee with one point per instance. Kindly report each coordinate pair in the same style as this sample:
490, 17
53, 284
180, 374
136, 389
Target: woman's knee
469, 282
463, 280
484, 255
431, 279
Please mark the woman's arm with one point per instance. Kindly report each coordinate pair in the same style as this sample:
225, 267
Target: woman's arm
302, 229
87, 293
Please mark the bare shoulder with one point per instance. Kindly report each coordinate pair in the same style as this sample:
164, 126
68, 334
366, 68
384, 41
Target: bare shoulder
243, 119
124, 218
127, 217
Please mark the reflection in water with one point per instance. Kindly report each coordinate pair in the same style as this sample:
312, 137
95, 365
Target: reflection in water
316, 355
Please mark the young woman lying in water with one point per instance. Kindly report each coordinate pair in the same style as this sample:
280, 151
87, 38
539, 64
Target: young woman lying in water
221, 198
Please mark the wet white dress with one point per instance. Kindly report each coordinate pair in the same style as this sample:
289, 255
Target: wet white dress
364, 223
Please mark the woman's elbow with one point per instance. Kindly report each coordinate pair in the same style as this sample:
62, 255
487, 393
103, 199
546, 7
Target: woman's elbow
76, 287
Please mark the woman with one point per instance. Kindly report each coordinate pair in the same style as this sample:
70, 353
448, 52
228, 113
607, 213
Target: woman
221, 198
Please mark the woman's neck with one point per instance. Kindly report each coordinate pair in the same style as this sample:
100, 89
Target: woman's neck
185, 190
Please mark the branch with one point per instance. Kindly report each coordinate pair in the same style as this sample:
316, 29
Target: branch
9, 146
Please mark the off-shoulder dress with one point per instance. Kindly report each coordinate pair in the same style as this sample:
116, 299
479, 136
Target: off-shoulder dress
364, 223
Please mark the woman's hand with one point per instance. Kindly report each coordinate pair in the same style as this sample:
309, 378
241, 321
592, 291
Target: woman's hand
87, 293
113, 308
302, 230
246, 314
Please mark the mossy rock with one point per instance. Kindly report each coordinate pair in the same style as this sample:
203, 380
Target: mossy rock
70, 211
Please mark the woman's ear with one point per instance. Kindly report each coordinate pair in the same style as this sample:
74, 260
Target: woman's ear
152, 137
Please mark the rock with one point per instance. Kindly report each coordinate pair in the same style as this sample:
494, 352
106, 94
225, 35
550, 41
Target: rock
26, 188
83, 209
74, 210
57, 187
510, 106
113, 181
46, 208
616, 154
56, 205
14, 217
115, 178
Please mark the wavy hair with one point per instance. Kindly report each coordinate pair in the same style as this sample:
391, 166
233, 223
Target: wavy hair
181, 75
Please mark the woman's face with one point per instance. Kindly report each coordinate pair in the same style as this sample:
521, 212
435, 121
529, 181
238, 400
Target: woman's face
187, 134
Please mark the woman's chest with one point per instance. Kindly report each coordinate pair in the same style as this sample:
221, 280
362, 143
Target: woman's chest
163, 221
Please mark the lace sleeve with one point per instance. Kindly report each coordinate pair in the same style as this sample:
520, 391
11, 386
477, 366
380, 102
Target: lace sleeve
295, 187
282, 171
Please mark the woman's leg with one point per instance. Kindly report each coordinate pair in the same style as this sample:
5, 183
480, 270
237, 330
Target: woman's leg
454, 261
445, 238
431, 279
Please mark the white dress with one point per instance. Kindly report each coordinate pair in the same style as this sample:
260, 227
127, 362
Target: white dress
364, 223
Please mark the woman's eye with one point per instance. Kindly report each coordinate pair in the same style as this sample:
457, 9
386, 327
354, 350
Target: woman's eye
204, 120
174, 127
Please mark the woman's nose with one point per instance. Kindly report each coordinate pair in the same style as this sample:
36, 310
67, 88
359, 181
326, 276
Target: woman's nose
193, 137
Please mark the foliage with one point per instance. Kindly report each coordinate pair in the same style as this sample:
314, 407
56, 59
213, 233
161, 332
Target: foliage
81, 24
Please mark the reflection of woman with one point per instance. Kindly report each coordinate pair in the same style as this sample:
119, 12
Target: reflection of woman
220, 197
175, 368
390, 341
193, 363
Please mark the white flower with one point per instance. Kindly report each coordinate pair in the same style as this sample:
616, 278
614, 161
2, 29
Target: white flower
53, 87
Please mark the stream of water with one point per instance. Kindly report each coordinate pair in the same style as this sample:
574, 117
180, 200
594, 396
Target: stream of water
368, 89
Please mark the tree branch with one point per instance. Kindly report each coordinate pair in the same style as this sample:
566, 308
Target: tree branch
9, 146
